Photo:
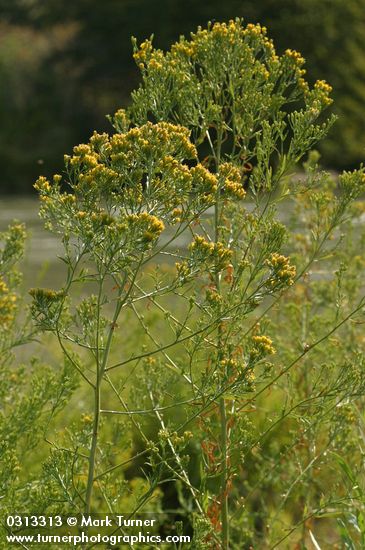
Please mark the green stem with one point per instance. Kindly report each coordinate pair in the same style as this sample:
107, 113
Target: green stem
224, 475
222, 403
97, 407
93, 447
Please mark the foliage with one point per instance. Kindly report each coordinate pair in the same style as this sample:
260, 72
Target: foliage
212, 360
207, 350
31, 394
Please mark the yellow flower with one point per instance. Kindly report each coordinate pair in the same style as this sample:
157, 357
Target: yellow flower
232, 180
295, 56
42, 185
144, 50
204, 179
153, 64
322, 85
282, 271
263, 345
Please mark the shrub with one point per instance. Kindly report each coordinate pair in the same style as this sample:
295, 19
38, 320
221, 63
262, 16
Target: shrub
178, 279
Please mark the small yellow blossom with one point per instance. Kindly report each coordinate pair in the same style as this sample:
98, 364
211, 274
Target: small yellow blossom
232, 181
153, 64
322, 85
295, 56
262, 345
143, 52
204, 179
216, 253
42, 185
282, 271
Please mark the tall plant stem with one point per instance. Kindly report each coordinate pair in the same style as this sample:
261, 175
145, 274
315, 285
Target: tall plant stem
222, 403
97, 406
93, 446
224, 478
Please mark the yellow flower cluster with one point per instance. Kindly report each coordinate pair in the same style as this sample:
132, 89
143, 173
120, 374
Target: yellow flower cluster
232, 33
183, 270
222, 29
295, 56
121, 120
154, 64
204, 180
262, 345
216, 251
67, 199
88, 158
82, 150
146, 56
42, 185
229, 45
49, 193
230, 366
270, 49
303, 85
7, 304
100, 171
255, 30
163, 135
202, 244
185, 48
151, 225
283, 272
321, 92
214, 256
176, 215
232, 180
101, 218
183, 439
175, 439
100, 143
16, 235
115, 173
89, 161
107, 162
84, 155
142, 54
323, 85
46, 294
175, 170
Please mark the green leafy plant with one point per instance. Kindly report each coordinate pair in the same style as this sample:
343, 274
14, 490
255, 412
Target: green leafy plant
171, 231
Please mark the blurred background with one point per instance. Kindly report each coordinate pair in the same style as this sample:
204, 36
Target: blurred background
64, 66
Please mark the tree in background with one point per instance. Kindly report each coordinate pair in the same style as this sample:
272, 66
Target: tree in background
73, 66
37, 99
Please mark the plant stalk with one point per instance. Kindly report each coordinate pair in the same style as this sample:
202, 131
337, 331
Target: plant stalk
97, 409
224, 475
222, 403
93, 447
